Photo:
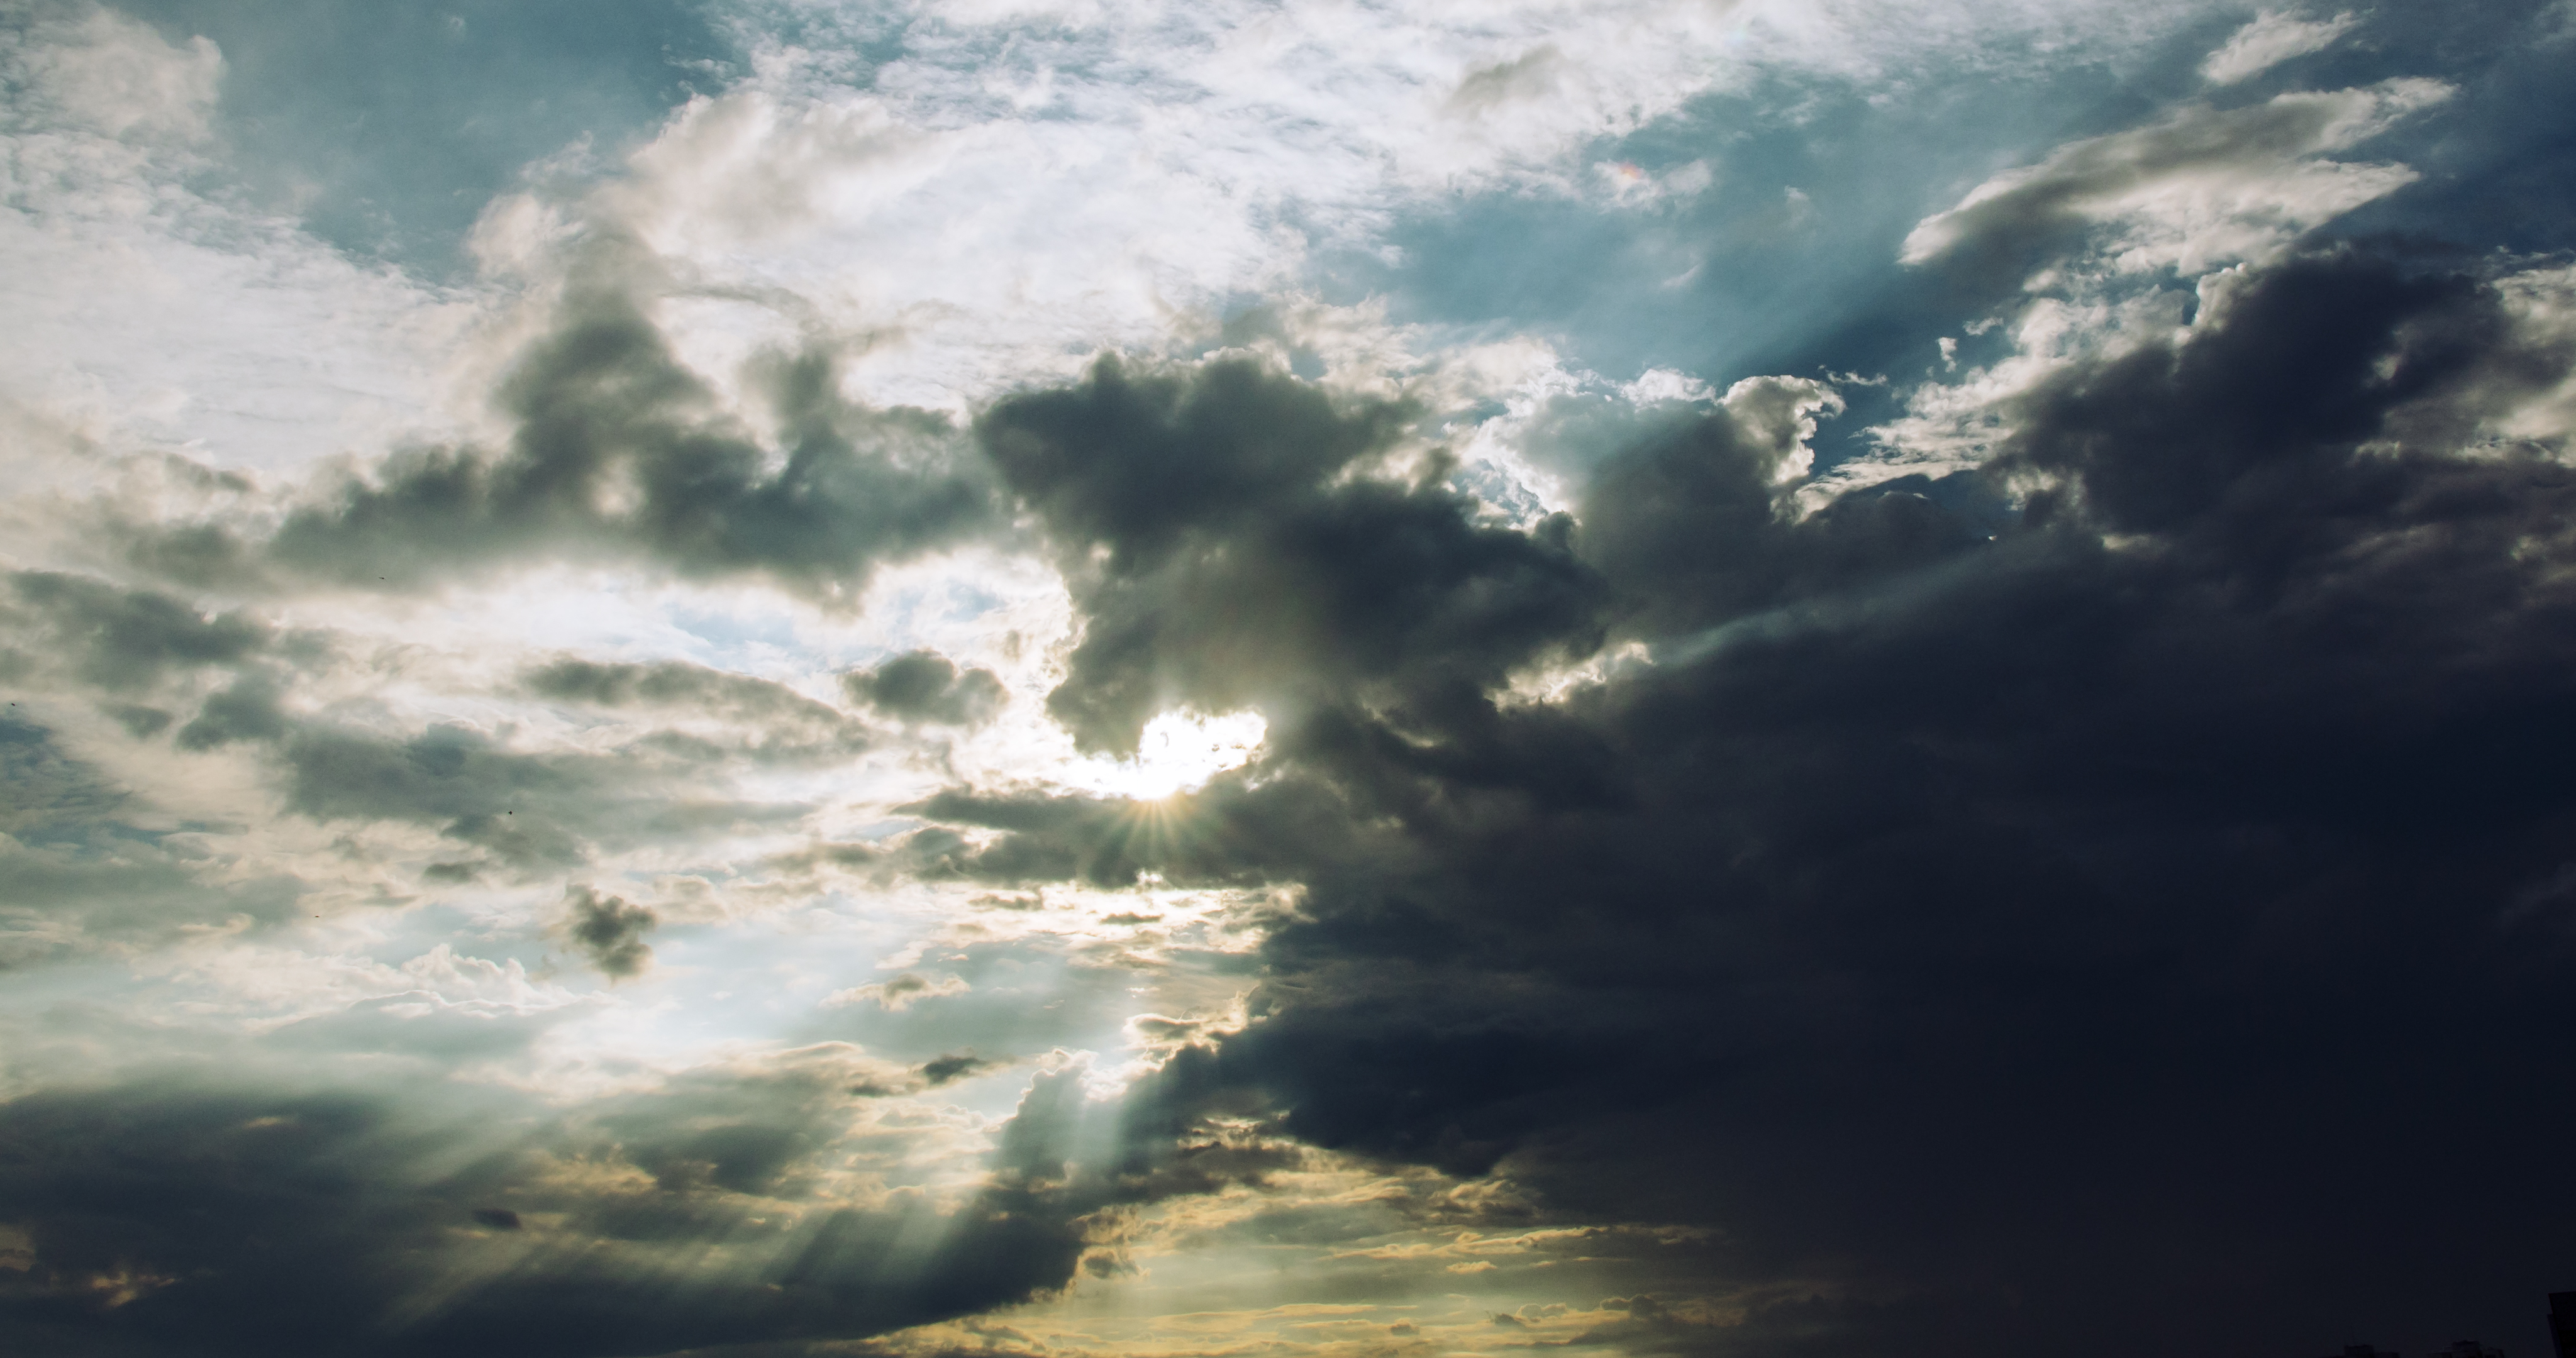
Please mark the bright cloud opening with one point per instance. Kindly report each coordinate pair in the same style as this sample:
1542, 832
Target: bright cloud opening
1179, 752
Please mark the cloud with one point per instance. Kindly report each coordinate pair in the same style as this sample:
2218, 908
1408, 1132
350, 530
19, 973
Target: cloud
609, 931
953, 1067
1700, 521
125, 639
673, 683
2200, 188
345, 1223
619, 448
101, 71
901, 993
927, 686
781, 724
85, 870
1243, 502
2272, 38
2102, 860
1670, 884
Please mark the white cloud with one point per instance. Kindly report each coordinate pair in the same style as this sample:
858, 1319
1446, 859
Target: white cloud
1007, 196
144, 311
2202, 188
2270, 40
2200, 194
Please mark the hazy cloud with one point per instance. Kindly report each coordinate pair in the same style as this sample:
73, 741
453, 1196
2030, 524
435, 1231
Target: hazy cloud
85, 868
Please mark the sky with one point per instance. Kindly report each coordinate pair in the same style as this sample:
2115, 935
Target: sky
1286, 678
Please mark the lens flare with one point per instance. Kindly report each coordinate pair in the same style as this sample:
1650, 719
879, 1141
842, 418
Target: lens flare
1179, 752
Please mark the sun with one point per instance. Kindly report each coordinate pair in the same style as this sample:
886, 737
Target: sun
1178, 752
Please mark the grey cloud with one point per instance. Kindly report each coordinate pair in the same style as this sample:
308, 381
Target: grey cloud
169, 1218
1237, 834
449, 775
902, 992
927, 686
620, 449
784, 724
609, 931
1531, 75
951, 1068
530, 810
246, 710
675, 683
139, 721
1227, 550
123, 639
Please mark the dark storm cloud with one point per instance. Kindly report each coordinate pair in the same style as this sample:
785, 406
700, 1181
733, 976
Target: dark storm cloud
619, 449
927, 686
1226, 550
2110, 919
609, 931
166, 1218
1695, 523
